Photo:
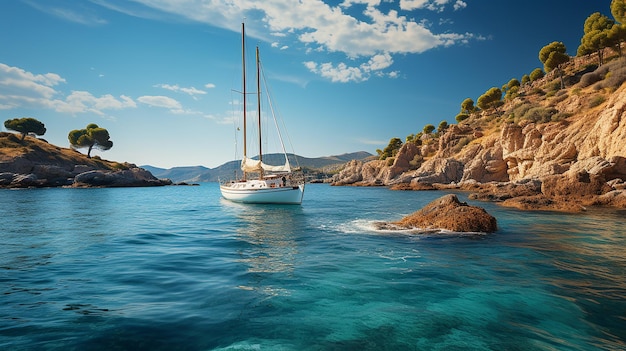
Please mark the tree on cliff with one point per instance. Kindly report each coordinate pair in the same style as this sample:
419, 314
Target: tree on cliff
467, 106
90, 137
491, 98
618, 10
598, 35
391, 150
537, 73
553, 56
618, 32
511, 89
429, 128
25, 126
443, 125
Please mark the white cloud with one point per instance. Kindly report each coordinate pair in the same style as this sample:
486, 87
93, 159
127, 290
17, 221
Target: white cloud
458, 5
15, 81
19, 88
344, 73
77, 14
432, 5
385, 27
82, 102
192, 91
160, 101
410, 5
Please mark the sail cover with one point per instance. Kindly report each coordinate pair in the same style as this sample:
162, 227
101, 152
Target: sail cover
250, 165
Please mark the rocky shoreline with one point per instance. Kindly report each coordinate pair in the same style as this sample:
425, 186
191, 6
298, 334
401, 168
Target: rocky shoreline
33, 163
568, 163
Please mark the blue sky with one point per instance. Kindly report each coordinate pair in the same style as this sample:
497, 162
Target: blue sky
345, 75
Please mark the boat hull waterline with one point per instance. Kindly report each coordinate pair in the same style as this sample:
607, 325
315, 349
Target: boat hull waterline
283, 195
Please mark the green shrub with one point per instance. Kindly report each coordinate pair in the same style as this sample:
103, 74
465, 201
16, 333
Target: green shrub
416, 162
461, 117
461, 144
560, 96
539, 114
596, 101
520, 110
537, 91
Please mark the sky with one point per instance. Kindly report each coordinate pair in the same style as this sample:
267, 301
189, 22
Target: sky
345, 75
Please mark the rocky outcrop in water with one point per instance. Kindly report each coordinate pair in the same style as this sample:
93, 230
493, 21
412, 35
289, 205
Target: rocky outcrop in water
446, 213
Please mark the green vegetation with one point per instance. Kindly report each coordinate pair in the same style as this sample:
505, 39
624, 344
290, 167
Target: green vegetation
600, 32
553, 56
90, 137
536, 74
391, 150
25, 126
597, 101
490, 99
429, 128
461, 117
537, 94
443, 125
467, 106
511, 89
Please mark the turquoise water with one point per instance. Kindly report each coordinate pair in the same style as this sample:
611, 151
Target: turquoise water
178, 268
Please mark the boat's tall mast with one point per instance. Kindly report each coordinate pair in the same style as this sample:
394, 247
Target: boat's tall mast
258, 99
243, 64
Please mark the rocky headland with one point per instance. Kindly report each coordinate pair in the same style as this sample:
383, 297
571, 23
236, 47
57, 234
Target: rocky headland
34, 162
549, 148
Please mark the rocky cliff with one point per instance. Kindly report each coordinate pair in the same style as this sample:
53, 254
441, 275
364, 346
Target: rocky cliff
33, 162
550, 149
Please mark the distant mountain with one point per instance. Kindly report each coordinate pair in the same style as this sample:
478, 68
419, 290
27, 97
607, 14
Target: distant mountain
313, 167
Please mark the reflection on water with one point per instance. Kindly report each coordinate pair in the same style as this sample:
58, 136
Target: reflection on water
271, 232
570, 243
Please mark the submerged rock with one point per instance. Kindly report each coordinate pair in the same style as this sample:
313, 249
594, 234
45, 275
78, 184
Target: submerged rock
448, 213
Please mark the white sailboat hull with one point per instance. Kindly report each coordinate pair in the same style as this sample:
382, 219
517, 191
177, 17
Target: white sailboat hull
244, 193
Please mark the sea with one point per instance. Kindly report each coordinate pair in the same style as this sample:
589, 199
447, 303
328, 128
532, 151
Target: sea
180, 268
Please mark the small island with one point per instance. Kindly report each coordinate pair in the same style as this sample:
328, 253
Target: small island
27, 161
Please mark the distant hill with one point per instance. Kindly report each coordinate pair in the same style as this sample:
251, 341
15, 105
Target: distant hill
317, 167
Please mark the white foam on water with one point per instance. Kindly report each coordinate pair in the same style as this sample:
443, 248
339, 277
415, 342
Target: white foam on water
370, 226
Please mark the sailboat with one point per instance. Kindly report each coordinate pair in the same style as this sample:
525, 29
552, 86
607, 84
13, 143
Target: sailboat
261, 182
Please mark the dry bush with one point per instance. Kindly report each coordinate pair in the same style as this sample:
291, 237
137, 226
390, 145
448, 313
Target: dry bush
590, 78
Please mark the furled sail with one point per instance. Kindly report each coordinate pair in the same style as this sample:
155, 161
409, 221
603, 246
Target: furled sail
250, 165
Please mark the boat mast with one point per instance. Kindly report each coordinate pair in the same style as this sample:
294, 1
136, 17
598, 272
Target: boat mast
243, 63
258, 99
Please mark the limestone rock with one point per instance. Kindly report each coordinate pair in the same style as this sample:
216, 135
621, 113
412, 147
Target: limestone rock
574, 185
134, 177
502, 191
439, 170
350, 174
403, 162
449, 213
